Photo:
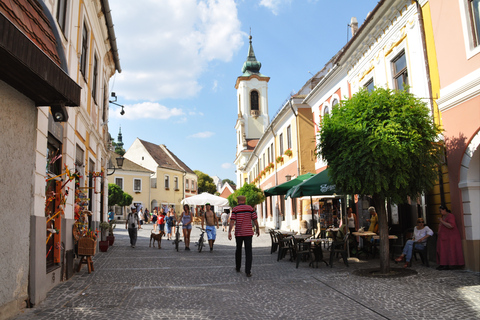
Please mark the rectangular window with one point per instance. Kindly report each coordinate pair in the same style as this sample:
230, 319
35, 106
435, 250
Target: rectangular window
289, 137
137, 185
186, 184
400, 73
271, 150
167, 182
268, 152
153, 183
369, 85
62, 14
264, 165
280, 143
175, 179
474, 11
95, 77
83, 56
119, 182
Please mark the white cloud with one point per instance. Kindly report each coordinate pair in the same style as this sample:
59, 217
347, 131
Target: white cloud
227, 165
274, 5
202, 135
215, 86
146, 110
163, 54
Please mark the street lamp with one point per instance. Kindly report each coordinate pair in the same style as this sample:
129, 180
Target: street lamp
288, 177
119, 161
122, 112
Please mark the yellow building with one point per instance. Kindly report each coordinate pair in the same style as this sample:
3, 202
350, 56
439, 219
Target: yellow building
172, 180
134, 180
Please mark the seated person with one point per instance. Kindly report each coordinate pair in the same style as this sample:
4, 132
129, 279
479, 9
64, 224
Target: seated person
420, 235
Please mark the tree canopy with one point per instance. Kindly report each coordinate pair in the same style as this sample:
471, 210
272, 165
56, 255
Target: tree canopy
253, 195
205, 183
230, 182
116, 196
381, 143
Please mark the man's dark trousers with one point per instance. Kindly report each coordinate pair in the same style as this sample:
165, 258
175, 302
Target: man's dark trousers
248, 253
132, 233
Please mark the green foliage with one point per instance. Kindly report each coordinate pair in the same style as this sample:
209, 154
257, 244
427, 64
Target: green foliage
230, 182
381, 142
126, 200
115, 194
253, 194
118, 149
205, 183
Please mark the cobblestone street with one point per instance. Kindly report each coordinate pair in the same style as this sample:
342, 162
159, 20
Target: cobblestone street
148, 283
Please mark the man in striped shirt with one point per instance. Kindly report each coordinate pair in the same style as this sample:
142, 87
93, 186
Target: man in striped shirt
242, 216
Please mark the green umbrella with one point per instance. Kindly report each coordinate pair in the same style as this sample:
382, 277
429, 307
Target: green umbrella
318, 185
284, 187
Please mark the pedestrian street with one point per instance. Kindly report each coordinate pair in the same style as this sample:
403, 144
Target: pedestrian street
150, 283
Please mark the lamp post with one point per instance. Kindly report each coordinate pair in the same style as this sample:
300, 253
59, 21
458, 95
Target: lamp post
119, 161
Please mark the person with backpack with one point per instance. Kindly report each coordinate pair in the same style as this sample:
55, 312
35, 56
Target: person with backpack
133, 224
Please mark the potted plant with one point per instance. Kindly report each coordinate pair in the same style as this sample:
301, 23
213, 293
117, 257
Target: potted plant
279, 159
288, 152
103, 244
111, 237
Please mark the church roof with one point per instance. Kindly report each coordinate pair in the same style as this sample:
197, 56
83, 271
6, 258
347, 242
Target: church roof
251, 66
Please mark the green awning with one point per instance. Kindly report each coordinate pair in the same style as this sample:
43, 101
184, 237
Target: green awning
317, 185
284, 187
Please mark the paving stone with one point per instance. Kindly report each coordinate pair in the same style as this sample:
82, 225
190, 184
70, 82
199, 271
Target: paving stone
151, 283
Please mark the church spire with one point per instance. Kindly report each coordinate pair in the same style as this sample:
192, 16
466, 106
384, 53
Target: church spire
120, 139
251, 66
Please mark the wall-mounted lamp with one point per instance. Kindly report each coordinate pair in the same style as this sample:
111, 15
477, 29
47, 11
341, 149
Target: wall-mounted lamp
114, 101
59, 112
288, 177
119, 161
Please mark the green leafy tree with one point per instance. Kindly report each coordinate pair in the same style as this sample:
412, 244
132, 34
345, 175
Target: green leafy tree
115, 194
253, 195
381, 143
126, 200
205, 183
230, 182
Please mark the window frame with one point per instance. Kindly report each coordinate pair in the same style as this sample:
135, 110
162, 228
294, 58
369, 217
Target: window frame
399, 73
289, 137
95, 77
166, 182
175, 182
368, 83
135, 180
84, 51
254, 104
280, 143
122, 180
62, 15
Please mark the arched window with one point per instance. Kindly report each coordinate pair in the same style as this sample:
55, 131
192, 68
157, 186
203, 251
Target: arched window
254, 101
326, 111
334, 103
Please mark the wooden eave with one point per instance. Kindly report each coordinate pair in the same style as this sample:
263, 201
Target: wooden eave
25, 67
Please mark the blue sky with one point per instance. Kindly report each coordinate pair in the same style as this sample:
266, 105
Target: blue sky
180, 60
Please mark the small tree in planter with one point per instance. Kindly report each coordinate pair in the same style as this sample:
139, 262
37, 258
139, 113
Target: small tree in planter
111, 237
104, 226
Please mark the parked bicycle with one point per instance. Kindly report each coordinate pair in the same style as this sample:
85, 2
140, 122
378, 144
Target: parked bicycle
200, 242
177, 240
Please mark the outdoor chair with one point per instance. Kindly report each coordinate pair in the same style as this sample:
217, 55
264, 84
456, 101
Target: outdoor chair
423, 253
285, 246
302, 251
339, 247
274, 239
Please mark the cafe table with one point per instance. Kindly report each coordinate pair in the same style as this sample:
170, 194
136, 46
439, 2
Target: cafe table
365, 242
287, 233
390, 238
317, 250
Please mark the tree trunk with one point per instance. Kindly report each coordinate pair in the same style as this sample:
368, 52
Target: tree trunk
383, 232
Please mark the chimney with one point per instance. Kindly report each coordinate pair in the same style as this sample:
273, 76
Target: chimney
353, 26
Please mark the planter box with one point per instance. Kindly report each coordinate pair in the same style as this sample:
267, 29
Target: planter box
111, 240
103, 245
87, 246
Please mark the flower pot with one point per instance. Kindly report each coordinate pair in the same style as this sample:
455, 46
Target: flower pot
103, 245
111, 240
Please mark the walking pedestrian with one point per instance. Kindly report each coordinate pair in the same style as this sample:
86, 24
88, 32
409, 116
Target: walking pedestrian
170, 220
224, 218
242, 217
186, 219
210, 219
133, 224
161, 221
154, 220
